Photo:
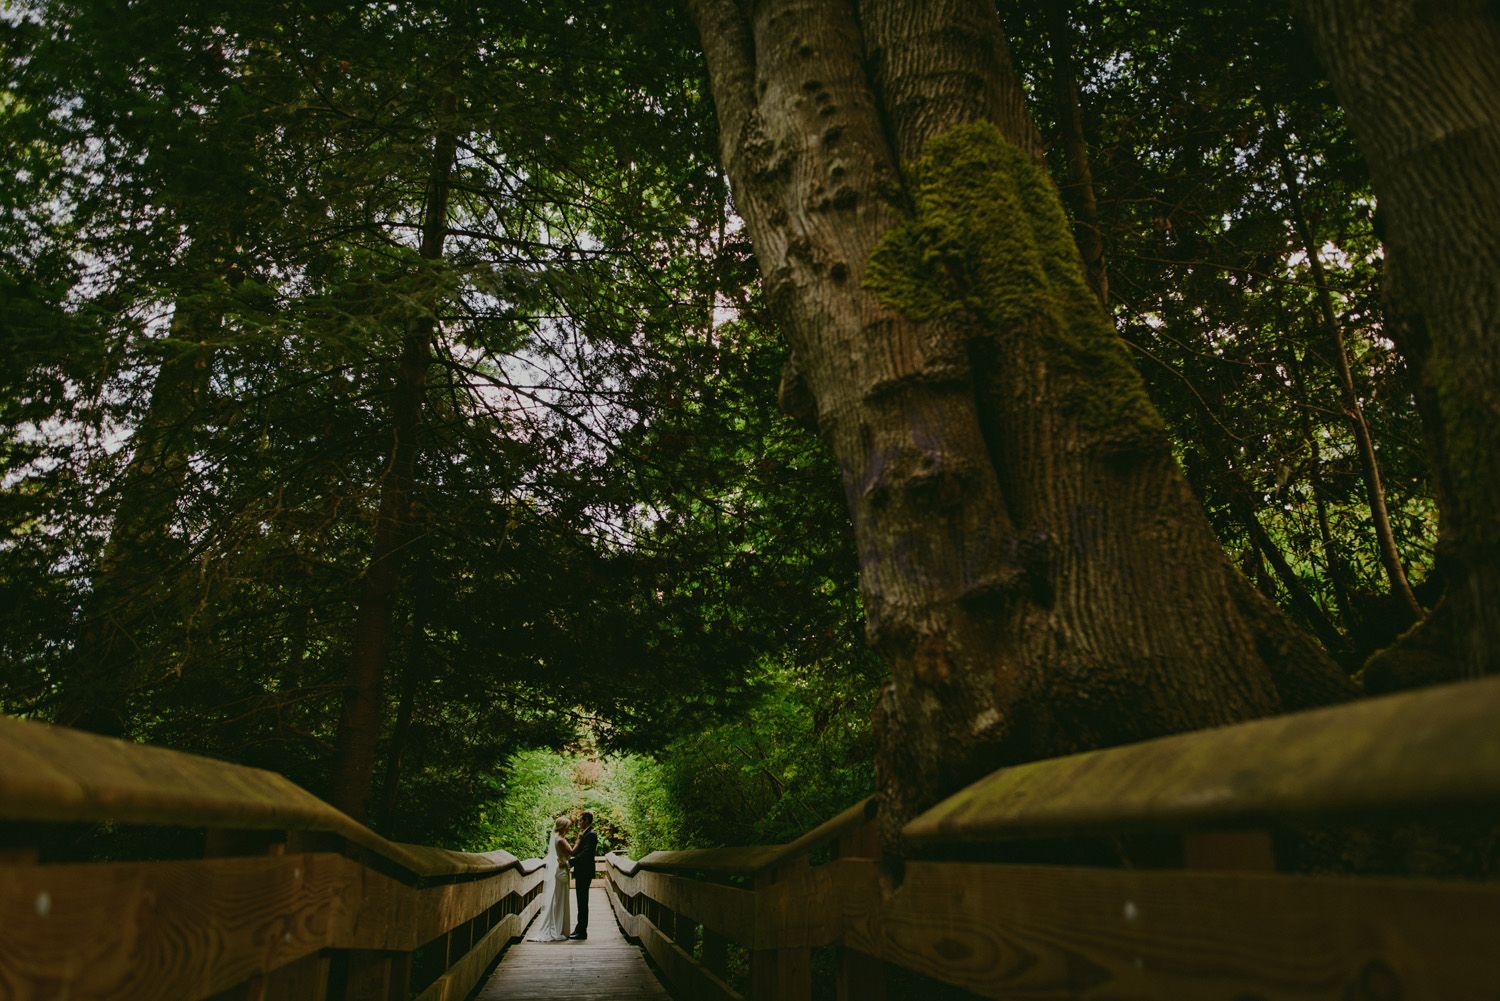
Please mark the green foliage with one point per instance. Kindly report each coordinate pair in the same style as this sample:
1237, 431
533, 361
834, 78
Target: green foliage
1209, 131
539, 786
207, 266
800, 755
606, 508
637, 812
633, 810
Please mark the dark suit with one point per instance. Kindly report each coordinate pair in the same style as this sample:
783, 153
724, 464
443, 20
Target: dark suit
582, 863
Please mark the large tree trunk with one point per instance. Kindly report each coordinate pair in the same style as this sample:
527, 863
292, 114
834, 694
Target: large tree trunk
412, 676
1033, 565
359, 726
1420, 84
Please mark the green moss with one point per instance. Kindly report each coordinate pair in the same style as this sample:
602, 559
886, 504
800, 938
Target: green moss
989, 237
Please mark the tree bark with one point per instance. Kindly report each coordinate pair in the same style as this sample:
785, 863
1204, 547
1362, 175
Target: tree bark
1034, 567
412, 676
359, 725
1420, 85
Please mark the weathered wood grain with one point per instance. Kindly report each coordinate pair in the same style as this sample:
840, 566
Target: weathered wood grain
193, 928
800, 909
1043, 932
797, 910
782, 972
750, 860
1416, 751
395, 916
182, 929
370, 977
52, 773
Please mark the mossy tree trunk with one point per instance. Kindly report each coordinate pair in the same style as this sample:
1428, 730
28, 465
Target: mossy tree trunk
1420, 84
1034, 566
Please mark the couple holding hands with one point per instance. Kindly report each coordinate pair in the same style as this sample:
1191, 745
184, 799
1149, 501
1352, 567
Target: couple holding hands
562, 856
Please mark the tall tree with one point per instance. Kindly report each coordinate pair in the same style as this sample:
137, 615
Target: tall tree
1390, 556
1420, 84
1078, 191
1212, 289
1034, 568
360, 725
136, 552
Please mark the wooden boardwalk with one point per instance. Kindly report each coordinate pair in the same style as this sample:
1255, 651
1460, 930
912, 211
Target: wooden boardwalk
605, 967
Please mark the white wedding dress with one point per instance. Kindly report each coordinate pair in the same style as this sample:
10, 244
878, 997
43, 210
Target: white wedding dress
552, 926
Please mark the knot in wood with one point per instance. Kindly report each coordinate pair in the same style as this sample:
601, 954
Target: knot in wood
931, 659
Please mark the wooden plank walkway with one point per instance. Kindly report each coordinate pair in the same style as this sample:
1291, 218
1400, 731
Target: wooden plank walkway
604, 967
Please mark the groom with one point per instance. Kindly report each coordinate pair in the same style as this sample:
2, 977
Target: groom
583, 870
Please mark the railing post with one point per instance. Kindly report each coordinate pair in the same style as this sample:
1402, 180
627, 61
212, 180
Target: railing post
369, 976
862, 842
400, 975
860, 977
304, 980
781, 974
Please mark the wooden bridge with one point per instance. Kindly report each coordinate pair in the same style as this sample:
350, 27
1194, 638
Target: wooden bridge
1146, 871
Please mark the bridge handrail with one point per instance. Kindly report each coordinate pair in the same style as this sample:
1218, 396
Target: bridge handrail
60, 775
275, 917
749, 860
294, 895
1414, 751
996, 928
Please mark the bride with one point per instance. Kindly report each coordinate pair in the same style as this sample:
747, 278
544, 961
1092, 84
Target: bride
553, 926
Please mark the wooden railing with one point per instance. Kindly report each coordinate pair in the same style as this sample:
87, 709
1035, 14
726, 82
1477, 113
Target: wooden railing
1193, 906
293, 900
